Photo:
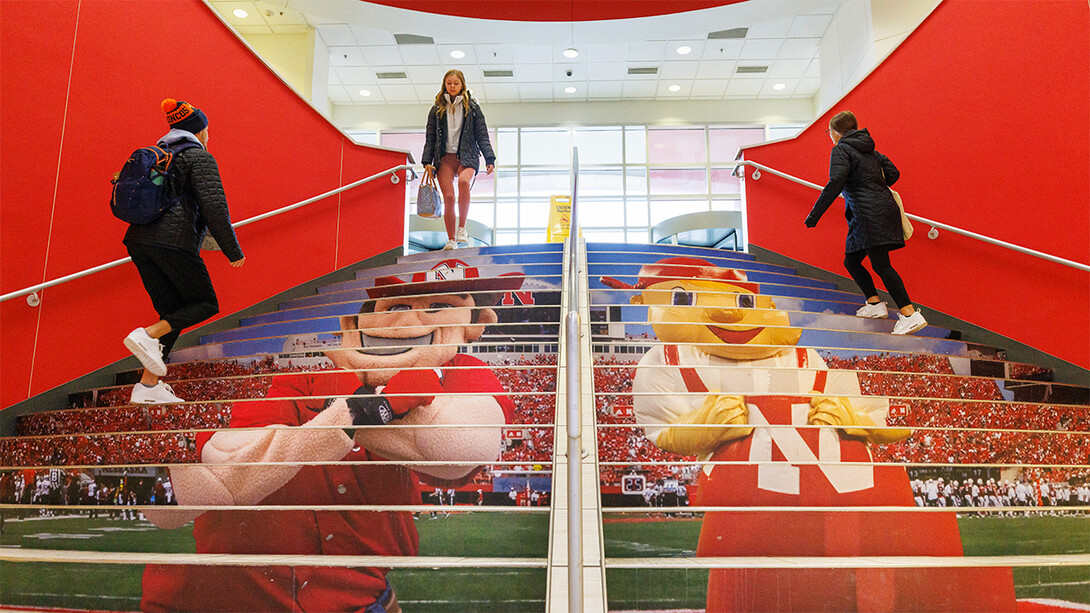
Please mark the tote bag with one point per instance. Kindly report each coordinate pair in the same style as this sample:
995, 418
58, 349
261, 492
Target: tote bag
906, 224
429, 204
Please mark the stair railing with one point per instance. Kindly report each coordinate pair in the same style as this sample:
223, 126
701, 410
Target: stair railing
32, 292
575, 396
935, 225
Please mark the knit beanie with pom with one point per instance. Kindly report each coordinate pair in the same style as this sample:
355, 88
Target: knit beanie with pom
184, 116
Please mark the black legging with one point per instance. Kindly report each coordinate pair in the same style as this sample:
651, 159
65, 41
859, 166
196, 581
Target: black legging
879, 261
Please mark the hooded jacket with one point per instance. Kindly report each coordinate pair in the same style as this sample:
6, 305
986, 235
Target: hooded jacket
856, 169
472, 143
203, 207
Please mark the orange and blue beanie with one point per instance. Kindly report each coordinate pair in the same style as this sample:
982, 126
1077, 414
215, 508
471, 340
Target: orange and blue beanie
184, 116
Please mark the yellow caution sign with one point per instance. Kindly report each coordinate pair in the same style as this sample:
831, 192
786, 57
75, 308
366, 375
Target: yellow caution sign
559, 219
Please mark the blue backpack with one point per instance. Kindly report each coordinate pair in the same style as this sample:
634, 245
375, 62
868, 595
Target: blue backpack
144, 189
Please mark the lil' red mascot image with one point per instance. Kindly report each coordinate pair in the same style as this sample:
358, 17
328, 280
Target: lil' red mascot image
398, 363
791, 433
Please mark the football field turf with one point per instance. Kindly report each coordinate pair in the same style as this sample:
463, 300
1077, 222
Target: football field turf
117, 587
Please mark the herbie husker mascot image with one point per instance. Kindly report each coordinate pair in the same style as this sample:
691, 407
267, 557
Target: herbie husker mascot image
730, 359
401, 365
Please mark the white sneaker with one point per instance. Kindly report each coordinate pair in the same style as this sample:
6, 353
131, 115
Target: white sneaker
460, 235
877, 310
147, 350
160, 393
910, 324
450, 245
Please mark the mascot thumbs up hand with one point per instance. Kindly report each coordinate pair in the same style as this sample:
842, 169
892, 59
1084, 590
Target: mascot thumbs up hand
838, 411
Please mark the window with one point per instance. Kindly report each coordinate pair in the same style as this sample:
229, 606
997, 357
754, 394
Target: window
630, 177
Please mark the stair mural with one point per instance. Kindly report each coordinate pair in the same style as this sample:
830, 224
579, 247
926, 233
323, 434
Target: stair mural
741, 410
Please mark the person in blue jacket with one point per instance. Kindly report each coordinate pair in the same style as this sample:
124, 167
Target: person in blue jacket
874, 220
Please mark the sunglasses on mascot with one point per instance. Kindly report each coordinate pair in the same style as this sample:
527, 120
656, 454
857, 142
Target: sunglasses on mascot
684, 296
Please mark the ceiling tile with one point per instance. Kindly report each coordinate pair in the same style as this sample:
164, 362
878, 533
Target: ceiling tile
769, 89
679, 70
664, 92
371, 36
534, 73
346, 56
419, 55
337, 93
769, 29
445, 56
648, 51
386, 55
532, 54
716, 70
562, 96
354, 75
788, 69
605, 89
578, 72
374, 98
763, 49
708, 87
799, 48
331, 77
426, 75
607, 52
334, 35
814, 72
744, 87
808, 86
722, 50
398, 92
494, 54
696, 45
809, 26
502, 92
535, 90
606, 71
426, 93
640, 89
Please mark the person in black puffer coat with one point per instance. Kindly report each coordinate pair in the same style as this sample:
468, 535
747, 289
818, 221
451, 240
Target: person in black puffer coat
166, 252
455, 138
874, 220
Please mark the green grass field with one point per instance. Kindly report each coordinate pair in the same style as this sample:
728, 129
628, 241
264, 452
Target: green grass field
117, 587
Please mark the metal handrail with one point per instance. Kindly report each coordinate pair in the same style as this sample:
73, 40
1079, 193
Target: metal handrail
574, 400
34, 289
935, 225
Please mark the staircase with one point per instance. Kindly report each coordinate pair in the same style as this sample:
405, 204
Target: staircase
956, 456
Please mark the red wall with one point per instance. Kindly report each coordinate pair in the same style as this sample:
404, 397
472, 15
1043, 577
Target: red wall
81, 88
985, 109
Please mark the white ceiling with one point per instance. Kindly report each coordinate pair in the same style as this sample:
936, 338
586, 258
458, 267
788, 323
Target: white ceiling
783, 35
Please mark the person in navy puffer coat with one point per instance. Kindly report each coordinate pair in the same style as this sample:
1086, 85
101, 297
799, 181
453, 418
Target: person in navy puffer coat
874, 220
455, 139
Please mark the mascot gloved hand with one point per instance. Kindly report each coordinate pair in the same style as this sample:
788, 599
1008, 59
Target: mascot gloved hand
418, 386
716, 409
838, 411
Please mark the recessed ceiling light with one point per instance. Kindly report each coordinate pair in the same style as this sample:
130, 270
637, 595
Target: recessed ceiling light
779, 86
569, 90
571, 52
457, 54
674, 88
684, 50
240, 13
365, 92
